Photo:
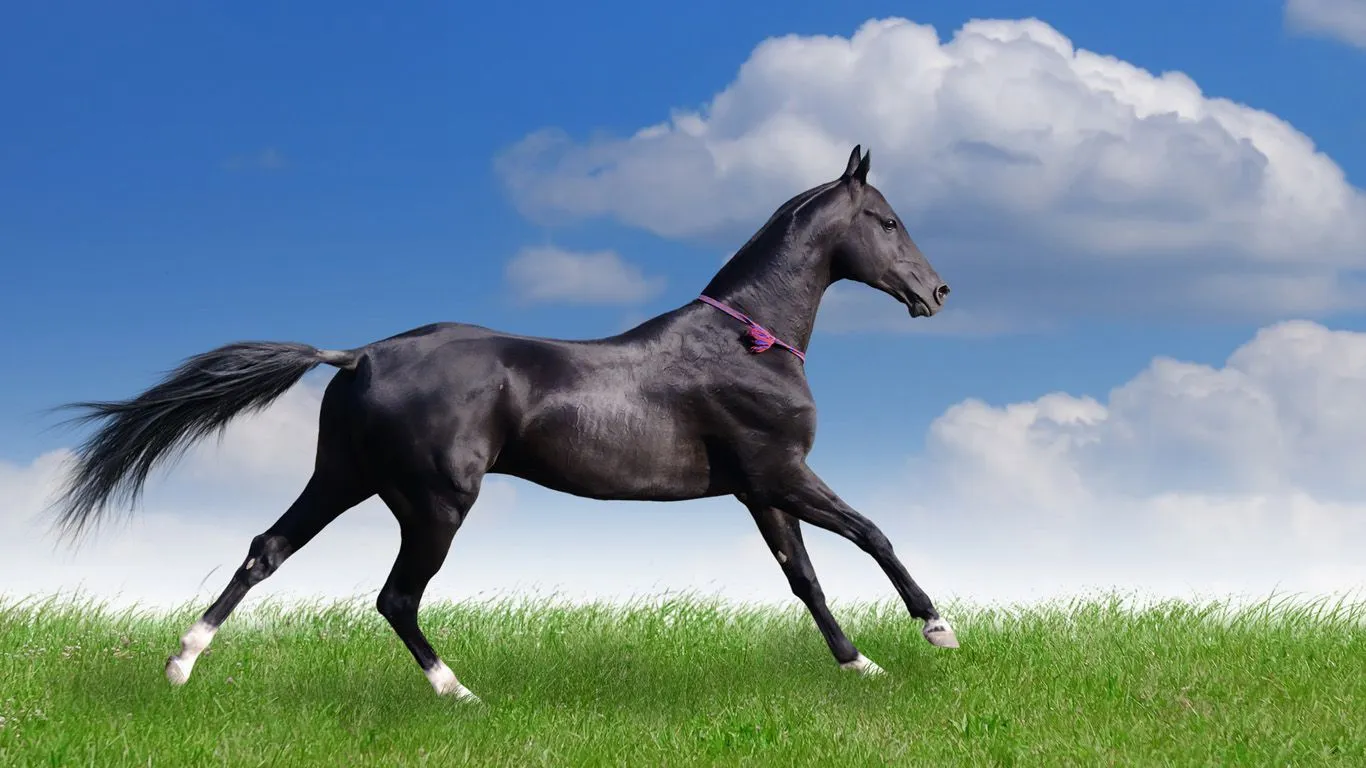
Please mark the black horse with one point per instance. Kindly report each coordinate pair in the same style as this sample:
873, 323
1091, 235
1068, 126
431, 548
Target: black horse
693, 403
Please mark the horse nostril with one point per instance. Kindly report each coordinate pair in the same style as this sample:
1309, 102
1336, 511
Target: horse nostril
941, 293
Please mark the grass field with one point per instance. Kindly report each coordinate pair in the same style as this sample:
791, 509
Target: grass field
691, 683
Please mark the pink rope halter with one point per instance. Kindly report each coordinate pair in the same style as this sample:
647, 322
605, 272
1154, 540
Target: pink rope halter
757, 333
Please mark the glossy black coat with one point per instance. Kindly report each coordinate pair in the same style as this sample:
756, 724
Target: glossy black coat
676, 408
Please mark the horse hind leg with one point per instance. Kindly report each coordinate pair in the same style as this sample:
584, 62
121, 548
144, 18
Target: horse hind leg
326, 496
429, 516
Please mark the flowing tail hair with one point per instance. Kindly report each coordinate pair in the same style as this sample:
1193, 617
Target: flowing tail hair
193, 401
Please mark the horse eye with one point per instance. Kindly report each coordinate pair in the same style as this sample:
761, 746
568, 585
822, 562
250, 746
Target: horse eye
889, 224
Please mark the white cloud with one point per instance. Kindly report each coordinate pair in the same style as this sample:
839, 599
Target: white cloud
1343, 20
1044, 180
601, 277
1243, 478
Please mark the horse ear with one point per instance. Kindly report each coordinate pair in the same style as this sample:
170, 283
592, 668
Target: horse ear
860, 173
852, 165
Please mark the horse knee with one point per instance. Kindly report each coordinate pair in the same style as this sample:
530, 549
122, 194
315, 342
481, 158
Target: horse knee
804, 584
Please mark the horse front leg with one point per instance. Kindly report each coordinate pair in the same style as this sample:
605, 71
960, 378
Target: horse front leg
783, 534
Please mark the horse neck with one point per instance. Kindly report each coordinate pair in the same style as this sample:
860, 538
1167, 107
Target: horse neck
779, 285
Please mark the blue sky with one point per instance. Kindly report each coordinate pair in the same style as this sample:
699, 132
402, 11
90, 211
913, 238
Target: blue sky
176, 177
133, 240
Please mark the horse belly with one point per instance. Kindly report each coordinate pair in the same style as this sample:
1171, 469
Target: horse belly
617, 450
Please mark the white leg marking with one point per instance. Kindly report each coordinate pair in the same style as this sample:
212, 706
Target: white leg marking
940, 634
443, 680
864, 666
192, 643
782, 558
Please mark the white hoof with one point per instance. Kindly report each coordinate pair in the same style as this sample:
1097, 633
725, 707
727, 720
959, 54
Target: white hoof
177, 671
864, 666
444, 683
464, 694
940, 634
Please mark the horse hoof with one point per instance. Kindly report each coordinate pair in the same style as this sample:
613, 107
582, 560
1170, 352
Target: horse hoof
459, 693
466, 695
864, 666
940, 634
175, 672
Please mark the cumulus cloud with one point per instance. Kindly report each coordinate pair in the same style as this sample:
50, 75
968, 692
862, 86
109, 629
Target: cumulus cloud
1043, 180
1239, 479
1285, 414
1243, 477
548, 274
1343, 20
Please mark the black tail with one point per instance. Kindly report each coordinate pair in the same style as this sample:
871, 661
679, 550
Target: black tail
196, 399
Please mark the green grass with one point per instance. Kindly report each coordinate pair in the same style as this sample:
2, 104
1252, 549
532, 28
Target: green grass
691, 683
